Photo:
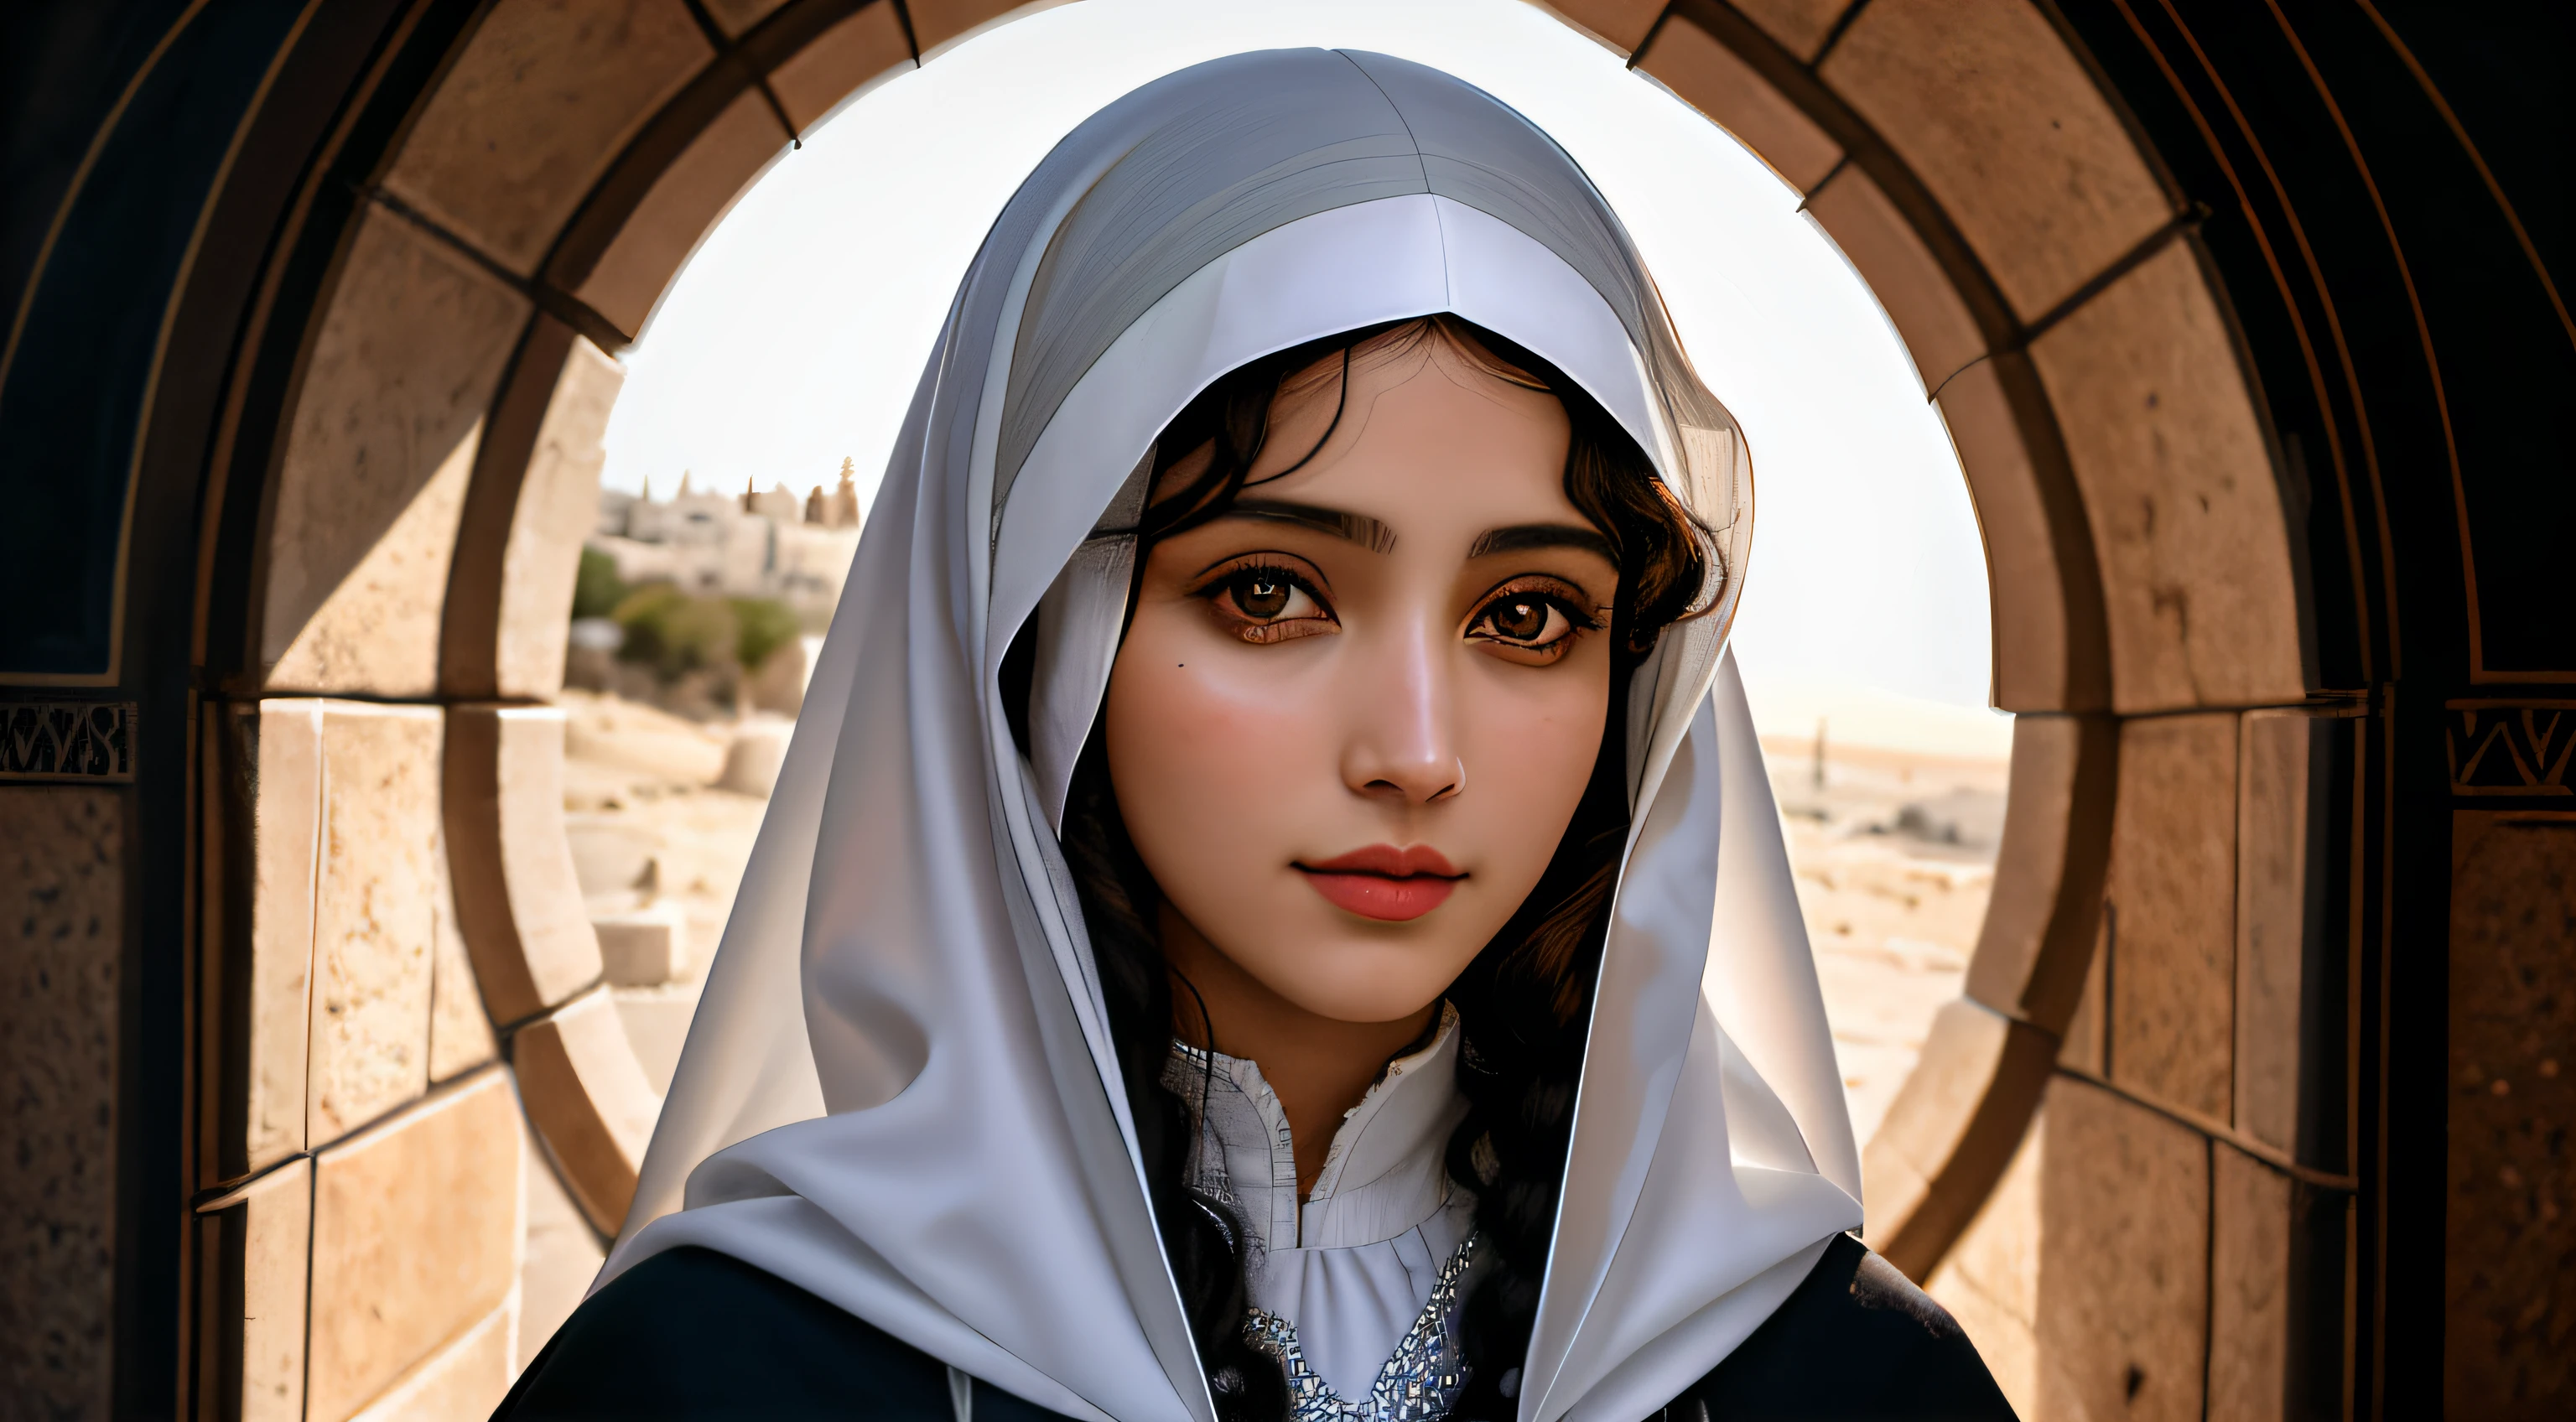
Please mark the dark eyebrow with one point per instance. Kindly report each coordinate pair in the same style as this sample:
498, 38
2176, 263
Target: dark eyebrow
1521, 538
1349, 527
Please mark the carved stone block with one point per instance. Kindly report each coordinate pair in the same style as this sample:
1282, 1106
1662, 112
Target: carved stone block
853, 54
378, 452
2180, 489
2171, 906
1713, 80
525, 924
545, 95
2124, 1269
2005, 126
1799, 25
254, 1248
375, 915
415, 1239
682, 204
590, 1102
1919, 299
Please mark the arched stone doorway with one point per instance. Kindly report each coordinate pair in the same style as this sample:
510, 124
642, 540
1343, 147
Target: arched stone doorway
2174, 973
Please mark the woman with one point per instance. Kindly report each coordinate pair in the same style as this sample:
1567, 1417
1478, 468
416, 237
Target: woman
1233, 940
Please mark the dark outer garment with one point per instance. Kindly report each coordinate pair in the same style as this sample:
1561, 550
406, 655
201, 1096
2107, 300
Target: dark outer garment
692, 1334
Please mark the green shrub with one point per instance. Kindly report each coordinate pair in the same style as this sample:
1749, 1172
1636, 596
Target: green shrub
596, 589
673, 633
761, 626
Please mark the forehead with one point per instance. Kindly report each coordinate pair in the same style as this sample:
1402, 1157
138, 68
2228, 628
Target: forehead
1422, 433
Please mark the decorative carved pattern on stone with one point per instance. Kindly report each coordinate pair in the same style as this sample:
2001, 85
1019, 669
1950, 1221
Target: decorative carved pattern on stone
68, 740
2520, 749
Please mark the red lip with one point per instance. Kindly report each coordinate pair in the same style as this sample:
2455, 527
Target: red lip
1384, 882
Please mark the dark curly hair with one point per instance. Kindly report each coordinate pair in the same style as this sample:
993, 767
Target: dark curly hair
1522, 1004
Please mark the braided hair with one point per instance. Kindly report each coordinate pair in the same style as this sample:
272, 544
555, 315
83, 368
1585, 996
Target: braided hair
1522, 1003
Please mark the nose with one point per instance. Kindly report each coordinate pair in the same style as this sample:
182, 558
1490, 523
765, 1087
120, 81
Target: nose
1404, 744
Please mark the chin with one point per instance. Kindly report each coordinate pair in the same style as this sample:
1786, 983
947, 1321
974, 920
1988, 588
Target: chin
1371, 979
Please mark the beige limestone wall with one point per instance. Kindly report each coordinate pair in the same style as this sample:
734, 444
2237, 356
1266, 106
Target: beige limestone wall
63, 859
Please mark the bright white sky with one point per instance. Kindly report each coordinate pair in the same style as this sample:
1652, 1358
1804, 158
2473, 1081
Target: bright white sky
796, 333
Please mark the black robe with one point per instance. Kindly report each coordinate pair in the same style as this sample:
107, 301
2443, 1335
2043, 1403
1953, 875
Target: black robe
691, 1334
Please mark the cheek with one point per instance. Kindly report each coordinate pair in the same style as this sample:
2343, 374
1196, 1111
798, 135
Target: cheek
1530, 743
1200, 736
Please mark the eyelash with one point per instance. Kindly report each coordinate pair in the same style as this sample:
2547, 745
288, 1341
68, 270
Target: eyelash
1580, 620
1226, 580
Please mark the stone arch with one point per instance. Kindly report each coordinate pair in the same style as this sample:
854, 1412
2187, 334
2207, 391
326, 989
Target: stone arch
545, 167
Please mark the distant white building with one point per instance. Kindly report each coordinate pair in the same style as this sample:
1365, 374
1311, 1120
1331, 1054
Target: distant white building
750, 544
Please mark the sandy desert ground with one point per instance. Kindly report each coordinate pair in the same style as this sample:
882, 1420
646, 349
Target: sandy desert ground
1893, 851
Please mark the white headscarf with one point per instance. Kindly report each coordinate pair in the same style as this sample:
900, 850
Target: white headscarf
900, 1092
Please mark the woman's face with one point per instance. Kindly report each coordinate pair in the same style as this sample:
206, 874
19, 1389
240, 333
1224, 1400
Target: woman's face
1353, 717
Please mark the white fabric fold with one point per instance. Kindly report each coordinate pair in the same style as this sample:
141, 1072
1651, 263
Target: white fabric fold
899, 1092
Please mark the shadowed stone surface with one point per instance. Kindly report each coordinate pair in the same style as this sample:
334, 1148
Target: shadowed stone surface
736, 16
1990, 1279
2002, 122
415, 1239
858, 51
2282, 860
590, 1101
1799, 25
560, 1254
2249, 1295
375, 915
1709, 76
257, 1248
378, 452
681, 205
62, 878
545, 95
2178, 485
2510, 1240
2172, 974
2122, 1304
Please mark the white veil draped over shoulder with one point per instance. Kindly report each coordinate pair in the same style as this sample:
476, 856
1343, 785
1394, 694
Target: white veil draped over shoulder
899, 1092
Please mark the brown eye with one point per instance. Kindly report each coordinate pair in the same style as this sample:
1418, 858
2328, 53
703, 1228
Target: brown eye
1261, 595
1518, 619
1531, 623
1267, 601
